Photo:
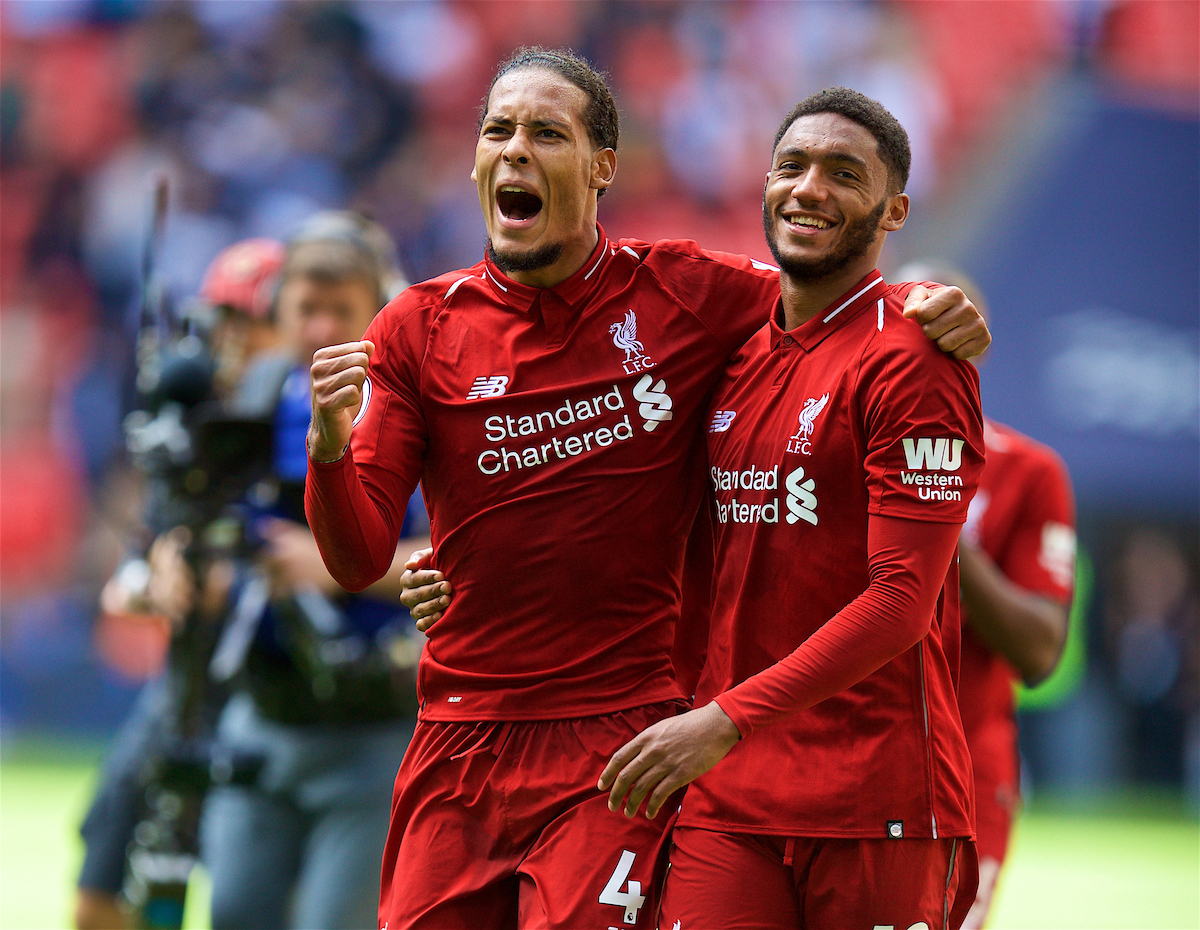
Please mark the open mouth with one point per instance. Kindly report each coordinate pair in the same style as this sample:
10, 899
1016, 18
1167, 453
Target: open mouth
517, 204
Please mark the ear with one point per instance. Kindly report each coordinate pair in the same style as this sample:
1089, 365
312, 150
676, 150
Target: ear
604, 168
895, 214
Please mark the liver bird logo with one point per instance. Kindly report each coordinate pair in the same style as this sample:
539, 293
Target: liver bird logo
625, 337
808, 414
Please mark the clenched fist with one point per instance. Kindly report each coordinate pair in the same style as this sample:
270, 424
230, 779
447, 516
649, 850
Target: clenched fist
338, 374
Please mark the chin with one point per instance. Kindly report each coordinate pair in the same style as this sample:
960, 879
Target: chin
523, 257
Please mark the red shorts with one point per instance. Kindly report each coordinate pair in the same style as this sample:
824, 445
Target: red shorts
736, 881
995, 807
500, 825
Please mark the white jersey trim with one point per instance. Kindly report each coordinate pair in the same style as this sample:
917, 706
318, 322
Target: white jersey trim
454, 286
495, 282
603, 256
367, 394
851, 300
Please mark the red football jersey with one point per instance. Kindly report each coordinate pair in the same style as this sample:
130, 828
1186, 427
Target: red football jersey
1023, 517
556, 435
812, 433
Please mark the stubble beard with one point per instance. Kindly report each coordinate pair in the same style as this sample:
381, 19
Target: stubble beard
527, 260
860, 236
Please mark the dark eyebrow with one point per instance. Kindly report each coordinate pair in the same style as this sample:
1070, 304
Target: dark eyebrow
797, 152
533, 124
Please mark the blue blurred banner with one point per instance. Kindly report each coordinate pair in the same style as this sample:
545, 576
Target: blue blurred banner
1094, 274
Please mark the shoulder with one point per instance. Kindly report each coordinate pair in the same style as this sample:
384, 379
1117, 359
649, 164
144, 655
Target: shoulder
1002, 440
402, 328
896, 350
686, 254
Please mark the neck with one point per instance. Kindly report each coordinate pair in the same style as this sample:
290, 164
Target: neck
803, 299
574, 254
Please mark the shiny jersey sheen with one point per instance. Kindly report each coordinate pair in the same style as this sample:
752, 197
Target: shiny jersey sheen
556, 435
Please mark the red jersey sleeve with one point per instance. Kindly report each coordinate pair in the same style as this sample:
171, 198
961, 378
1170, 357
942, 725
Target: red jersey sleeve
1039, 555
924, 427
356, 506
908, 561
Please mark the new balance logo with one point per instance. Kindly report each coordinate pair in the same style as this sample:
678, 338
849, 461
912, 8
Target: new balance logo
655, 406
488, 387
722, 420
933, 454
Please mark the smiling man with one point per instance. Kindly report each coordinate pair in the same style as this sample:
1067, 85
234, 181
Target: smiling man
550, 399
832, 782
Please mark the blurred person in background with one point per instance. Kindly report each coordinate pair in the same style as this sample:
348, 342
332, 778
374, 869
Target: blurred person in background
301, 846
1017, 573
1152, 637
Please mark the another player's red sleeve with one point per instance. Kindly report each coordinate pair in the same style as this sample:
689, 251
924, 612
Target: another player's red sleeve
356, 506
1039, 555
908, 561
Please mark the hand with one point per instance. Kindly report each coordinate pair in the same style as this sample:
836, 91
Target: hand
338, 373
426, 591
663, 758
950, 319
171, 589
291, 558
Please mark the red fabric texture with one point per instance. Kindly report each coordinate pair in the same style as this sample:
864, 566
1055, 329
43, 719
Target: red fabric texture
498, 825
741, 881
1023, 518
555, 430
843, 455
908, 562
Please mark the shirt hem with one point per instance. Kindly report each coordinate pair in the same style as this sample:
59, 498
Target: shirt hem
568, 712
758, 829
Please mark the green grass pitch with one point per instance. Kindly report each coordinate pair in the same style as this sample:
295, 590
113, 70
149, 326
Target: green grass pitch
1111, 862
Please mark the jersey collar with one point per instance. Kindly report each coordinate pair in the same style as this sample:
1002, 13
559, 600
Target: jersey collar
812, 332
572, 291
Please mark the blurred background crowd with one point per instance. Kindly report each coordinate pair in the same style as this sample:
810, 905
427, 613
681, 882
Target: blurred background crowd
1054, 158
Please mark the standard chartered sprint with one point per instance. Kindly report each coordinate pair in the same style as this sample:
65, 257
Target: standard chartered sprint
549, 426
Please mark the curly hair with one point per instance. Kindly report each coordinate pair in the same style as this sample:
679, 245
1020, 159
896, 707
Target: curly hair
894, 150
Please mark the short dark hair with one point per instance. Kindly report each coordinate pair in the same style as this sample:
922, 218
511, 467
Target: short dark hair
600, 115
894, 150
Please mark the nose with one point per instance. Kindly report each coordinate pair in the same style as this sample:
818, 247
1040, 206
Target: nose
809, 186
516, 150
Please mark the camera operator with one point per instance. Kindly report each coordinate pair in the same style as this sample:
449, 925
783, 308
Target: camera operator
321, 683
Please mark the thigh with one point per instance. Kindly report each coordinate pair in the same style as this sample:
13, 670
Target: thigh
251, 844
449, 862
902, 883
585, 866
728, 880
594, 868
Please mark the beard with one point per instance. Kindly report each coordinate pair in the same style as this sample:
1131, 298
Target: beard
529, 260
860, 235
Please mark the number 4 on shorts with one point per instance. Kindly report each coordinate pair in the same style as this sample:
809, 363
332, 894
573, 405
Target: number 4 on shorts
633, 899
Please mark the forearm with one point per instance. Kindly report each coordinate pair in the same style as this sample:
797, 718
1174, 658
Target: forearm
388, 588
908, 564
355, 532
1028, 629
